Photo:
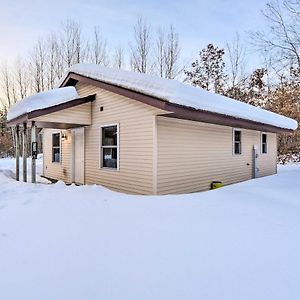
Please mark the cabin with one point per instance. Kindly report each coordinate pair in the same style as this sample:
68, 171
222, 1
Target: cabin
141, 134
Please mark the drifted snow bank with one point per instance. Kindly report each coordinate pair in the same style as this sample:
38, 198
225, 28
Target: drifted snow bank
67, 242
183, 94
42, 100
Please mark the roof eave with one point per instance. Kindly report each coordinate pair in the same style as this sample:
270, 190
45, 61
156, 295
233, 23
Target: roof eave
173, 109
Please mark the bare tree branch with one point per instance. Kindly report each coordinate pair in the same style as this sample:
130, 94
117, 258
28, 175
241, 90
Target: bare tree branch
140, 49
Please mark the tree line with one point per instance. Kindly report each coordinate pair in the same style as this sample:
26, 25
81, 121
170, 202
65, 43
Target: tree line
150, 51
274, 85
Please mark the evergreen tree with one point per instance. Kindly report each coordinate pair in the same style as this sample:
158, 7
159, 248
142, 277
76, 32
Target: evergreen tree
207, 72
257, 92
6, 144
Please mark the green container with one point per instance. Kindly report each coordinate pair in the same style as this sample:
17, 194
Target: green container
216, 184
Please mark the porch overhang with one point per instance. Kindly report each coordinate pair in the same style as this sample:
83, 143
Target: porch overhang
61, 116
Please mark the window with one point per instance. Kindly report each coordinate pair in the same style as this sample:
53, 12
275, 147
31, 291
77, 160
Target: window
109, 146
264, 146
237, 142
56, 147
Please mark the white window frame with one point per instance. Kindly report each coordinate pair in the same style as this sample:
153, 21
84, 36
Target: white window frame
261, 143
233, 141
60, 147
101, 147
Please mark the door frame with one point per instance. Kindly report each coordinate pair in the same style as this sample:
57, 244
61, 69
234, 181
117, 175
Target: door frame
73, 138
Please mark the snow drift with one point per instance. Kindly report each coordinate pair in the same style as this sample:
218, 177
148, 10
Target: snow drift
241, 242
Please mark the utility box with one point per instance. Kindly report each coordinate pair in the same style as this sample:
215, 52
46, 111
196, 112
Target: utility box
215, 185
255, 169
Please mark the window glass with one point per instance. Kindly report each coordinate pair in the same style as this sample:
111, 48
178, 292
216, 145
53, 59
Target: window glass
109, 136
56, 147
237, 136
237, 149
264, 143
109, 157
56, 155
56, 140
109, 151
237, 142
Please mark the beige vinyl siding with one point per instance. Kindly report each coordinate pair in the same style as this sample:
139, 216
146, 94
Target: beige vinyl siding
135, 121
192, 154
267, 162
80, 114
61, 170
156, 154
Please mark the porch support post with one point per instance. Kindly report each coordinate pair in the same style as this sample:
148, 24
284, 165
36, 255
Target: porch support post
17, 148
24, 135
33, 155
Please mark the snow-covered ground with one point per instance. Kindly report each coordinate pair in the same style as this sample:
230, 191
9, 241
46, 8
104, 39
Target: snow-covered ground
67, 242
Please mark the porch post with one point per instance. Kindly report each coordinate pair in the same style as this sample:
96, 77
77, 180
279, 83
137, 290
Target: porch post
17, 148
24, 135
33, 152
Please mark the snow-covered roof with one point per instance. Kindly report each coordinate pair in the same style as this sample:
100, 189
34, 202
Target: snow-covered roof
183, 94
42, 100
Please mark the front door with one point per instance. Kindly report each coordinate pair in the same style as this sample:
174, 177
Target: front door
78, 155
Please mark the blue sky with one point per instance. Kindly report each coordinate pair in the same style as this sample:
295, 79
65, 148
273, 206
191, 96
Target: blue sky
198, 22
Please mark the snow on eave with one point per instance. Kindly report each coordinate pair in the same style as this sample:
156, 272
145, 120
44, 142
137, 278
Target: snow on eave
183, 94
42, 100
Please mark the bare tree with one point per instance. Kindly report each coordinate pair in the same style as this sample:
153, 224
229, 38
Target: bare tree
51, 56
167, 53
98, 49
172, 54
236, 58
160, 52
38, 65
140, 49
8, 88
54, 65
71, 43
22, 78
5, 84
56, 52
119, 62
283, 35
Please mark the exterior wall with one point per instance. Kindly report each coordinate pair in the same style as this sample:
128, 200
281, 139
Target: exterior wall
267, 162
191, 155
80, 114
135, 119
62, 170
157, 155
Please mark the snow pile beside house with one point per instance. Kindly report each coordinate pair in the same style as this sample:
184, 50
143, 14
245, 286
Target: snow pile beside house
42, 100
183, 94
86, 242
